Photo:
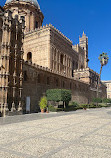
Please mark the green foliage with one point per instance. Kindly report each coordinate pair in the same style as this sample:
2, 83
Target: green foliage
58, 95
70, 108
74, 104
103, 58
105, 100
43, 103
53, 109
84, 106
97, 100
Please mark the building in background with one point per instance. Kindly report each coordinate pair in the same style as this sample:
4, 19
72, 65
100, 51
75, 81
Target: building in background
108, 85
35, 58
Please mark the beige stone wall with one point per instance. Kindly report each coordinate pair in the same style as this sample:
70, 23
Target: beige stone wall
81, 54
91, 77
51, 49
87, 75
63, 58
37, 80
38, 43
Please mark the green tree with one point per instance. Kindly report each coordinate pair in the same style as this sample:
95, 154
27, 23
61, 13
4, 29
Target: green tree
59, 95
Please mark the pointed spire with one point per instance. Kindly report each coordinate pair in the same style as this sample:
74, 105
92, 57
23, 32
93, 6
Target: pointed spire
83, 34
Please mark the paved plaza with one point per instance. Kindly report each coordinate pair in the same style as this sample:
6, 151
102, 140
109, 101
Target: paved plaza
79, 134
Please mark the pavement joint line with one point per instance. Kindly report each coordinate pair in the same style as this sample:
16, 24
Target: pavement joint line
36, 136
41, 117
13, 152
97, 146
73, 142
103, 135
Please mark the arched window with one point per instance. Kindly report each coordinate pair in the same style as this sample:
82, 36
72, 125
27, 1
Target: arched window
29, 56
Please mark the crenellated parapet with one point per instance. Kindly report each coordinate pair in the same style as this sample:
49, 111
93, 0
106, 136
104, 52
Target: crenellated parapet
48, 28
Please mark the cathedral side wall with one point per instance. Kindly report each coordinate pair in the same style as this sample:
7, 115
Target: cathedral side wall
63, 58
38, 80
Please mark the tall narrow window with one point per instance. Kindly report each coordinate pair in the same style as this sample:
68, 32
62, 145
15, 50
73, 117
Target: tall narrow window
48, 81
29, 56
61, 59
25, 75
63, 84
57, 82
36, 24
38, 78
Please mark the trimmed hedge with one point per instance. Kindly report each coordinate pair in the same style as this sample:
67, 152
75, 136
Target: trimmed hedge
105, 100
58, 95
97, 100
53, 109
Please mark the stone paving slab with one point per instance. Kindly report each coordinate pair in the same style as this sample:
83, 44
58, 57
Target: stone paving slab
79, 134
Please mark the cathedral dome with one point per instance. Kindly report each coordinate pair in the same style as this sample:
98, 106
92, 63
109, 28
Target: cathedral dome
30, 1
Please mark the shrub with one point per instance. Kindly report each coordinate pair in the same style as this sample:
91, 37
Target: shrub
105, 100
74, 104
97, 100
92, 105
84, 106
70, 108
43, 103
52, 108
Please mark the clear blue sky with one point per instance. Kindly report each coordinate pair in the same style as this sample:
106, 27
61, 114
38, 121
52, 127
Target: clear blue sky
71, 17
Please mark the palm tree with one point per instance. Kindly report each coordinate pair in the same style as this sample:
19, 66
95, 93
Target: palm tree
103, 61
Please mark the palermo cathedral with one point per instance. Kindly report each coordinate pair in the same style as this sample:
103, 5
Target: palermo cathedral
34, 58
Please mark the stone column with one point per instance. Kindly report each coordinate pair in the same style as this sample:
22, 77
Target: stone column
15, 67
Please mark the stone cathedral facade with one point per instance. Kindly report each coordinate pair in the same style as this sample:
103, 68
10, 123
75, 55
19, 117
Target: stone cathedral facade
34, 58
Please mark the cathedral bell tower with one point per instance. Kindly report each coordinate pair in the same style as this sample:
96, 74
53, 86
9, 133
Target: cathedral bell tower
83, 43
